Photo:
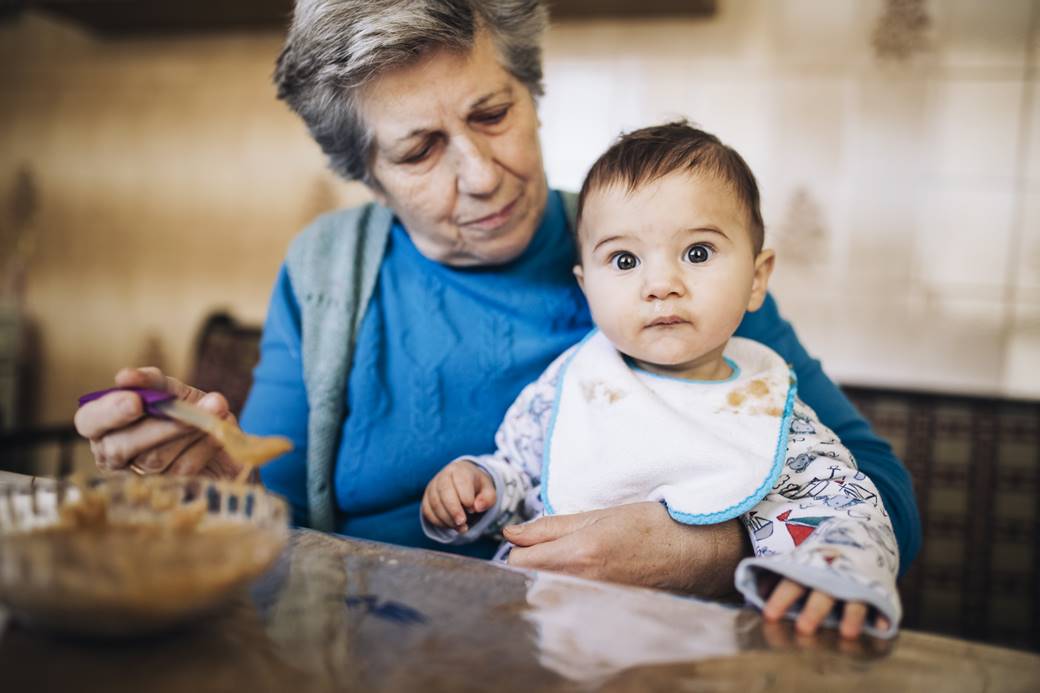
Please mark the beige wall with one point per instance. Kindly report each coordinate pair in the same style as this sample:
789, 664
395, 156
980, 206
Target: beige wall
904, 197
169, 181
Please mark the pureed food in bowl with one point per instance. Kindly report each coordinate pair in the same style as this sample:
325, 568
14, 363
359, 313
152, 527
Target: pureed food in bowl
126, 555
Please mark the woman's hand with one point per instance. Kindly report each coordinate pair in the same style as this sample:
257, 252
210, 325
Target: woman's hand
816, 608
121, 434
460, 488
637, 544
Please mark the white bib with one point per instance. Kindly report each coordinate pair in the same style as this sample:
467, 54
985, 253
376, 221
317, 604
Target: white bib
710, 450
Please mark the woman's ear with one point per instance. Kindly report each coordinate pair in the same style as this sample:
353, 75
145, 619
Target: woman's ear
377, 190
579, 274
760, 281
379, 196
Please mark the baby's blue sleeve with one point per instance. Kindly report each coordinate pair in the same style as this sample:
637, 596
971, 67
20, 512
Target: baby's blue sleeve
277, 402
873, 455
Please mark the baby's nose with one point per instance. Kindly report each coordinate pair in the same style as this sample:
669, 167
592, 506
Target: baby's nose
663, 284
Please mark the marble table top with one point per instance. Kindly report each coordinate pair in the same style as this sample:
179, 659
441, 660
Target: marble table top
339, 614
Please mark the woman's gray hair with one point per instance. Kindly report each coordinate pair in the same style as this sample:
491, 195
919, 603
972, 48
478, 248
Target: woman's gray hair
335, 47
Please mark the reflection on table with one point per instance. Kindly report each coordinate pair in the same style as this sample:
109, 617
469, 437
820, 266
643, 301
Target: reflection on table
340, 614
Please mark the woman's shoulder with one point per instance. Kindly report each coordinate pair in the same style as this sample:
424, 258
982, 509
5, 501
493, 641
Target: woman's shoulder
340, 238
342, 225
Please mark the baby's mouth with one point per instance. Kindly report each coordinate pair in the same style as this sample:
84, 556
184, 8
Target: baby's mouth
666, 321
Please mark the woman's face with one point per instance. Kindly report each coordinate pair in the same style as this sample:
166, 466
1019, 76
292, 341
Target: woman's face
456, 155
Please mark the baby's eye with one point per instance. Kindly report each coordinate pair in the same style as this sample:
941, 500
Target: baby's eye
699, 253
624, 261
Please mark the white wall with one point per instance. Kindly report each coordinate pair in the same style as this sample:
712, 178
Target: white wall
903, 197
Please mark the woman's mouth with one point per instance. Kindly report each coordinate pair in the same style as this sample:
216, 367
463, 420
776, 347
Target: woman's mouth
494, 220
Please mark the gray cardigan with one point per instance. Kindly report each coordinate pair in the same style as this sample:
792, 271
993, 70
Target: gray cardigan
333, 266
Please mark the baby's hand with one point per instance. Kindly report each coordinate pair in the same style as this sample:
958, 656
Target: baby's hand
459, 488
816, 608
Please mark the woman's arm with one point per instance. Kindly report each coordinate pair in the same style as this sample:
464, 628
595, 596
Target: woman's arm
277, 403
873, 455
635, 544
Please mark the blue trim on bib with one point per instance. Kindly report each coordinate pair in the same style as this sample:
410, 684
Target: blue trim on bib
779, 457
729, 362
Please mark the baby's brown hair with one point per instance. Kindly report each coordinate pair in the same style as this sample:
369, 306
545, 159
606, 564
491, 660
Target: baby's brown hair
645, 155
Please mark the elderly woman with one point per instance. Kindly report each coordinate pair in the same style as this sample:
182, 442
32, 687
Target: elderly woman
399, 332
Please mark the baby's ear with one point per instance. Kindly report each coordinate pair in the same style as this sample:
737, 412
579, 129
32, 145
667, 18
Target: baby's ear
760, 282
579, 274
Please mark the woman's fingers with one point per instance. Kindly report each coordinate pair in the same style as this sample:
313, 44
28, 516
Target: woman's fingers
163, 457
109, 413
784, 595
816, 608
116, 449
550, 555
193, 451
148, 377
154, 379
196, 456
120, 433
216, 404
548, 528
223, 467
852, 619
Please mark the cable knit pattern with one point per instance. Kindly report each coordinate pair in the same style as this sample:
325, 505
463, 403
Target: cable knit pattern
427, 357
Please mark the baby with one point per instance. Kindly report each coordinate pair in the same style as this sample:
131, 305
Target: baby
661, 402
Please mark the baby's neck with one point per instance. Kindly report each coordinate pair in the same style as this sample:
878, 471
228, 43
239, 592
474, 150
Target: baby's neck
709, 367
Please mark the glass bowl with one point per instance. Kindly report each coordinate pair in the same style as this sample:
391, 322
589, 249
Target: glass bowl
127, 555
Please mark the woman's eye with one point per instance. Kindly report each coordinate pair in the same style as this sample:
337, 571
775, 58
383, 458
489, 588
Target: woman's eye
424, 149
699, 253
419, 155
625, 261
491, 117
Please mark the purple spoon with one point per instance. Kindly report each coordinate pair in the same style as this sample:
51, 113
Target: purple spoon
150, 398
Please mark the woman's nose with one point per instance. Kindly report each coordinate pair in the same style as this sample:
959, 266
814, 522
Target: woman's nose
478, 174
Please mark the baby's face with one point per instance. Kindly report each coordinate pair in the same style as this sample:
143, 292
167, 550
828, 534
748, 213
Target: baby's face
669, 271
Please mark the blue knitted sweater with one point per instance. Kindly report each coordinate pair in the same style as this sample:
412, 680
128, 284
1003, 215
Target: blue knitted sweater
382, 366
